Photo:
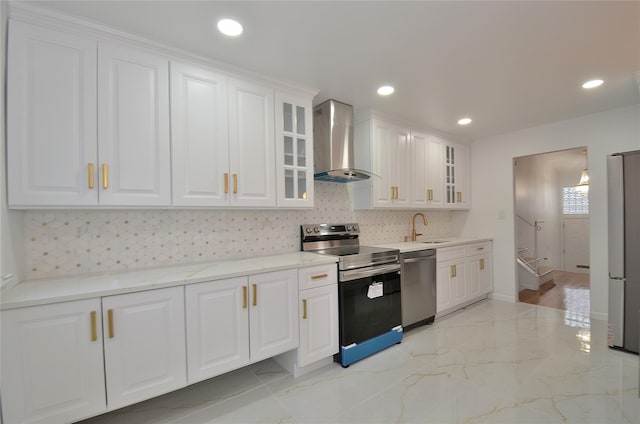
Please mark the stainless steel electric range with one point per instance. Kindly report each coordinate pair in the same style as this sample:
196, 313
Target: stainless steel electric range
368, 289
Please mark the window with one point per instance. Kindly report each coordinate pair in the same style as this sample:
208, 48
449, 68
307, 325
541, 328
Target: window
574, 202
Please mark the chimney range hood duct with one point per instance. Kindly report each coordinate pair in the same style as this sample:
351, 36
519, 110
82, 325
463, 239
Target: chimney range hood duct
333, 144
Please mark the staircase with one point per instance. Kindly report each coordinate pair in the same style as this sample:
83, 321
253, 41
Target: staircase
531, 275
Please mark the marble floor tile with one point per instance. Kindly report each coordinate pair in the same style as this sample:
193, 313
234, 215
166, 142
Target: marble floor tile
493, 362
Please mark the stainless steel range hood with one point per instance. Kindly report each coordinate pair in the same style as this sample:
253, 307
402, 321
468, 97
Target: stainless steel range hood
333, 144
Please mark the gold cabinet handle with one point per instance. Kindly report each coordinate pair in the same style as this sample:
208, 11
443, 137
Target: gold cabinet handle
255, 295
105, 176
110, 323
459, 196
304, 308
393, 192
479, 248
226, 183
481, 264
94, 329
235, 183
452, 272
244, 297
319, 276
90, 171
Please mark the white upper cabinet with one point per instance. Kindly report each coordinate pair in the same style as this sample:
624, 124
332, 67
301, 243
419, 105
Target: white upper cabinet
384, 148
456, 186
94, 122
133, 124
51, 118
294, 151
427, 170
199, 136
251, 144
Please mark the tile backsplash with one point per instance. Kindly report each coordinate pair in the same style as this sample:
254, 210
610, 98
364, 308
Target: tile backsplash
69, 242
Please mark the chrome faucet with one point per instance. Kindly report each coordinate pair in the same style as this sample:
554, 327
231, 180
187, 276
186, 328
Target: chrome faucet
415, 235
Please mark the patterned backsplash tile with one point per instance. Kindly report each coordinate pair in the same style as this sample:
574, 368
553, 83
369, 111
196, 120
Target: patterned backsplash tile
69, 242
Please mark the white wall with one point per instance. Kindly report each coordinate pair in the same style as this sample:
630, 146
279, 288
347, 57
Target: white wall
493, 192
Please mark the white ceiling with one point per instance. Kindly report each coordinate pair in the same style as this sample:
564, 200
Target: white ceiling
508, 65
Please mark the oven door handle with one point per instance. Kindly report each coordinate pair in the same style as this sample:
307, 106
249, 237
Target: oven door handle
368, 272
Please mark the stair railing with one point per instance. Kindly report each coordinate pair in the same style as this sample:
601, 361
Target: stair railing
531, 263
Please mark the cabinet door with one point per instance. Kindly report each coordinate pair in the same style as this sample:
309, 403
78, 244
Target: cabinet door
463, 184
427, 169
486, 275
251, 144
391, 161
444, 289
294, 151
273, 313
318, 323
133, 137
435, 174
51, 118
144, 345
459, 291
401, 165
217, 327
52, 363
474, 279
382, 135
199, 136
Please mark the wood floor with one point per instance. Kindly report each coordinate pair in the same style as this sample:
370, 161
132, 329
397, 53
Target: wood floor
568, 291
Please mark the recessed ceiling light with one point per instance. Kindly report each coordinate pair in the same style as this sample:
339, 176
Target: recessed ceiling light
593, 83
464, 121
229, 27
385, 90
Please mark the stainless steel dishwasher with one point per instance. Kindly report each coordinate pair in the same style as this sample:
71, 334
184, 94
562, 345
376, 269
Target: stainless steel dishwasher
418, 283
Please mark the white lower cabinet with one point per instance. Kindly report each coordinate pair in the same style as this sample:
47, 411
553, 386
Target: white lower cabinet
52, 363
231, 323
144, 344
217, 327
318, 300
463, 276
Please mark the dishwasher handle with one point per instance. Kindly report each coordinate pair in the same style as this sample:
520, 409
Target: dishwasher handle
418, 255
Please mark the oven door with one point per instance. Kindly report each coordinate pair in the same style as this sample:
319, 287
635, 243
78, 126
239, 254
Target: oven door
370, 303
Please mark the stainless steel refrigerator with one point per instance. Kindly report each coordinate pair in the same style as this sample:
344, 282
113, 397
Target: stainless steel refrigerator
624, 250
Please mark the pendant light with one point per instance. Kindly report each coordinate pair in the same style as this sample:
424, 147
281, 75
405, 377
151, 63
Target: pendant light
583, 185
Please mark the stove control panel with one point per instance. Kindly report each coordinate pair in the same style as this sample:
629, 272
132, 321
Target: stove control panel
311, 230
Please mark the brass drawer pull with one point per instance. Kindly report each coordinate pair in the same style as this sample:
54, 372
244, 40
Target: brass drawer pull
304, 308
430, 194
459, 197
244, 297
255, 295
235, 183
480, 248
319, 276
453, 271
90, 171
481, 264
110, 323
94, 329
226, 183
105, 176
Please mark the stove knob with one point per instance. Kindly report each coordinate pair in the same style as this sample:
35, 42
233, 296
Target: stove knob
355, 228
309, 230
349, 228
316, 230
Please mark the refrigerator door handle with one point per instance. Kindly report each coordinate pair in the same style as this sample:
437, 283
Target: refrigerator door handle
615, 334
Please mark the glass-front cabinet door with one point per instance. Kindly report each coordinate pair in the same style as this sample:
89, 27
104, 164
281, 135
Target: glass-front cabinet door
450, 174
294, 135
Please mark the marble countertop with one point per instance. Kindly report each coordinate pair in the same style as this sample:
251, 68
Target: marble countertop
412, 246
62, 289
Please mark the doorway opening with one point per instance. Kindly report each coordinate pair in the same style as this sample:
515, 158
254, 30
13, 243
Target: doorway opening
552, 231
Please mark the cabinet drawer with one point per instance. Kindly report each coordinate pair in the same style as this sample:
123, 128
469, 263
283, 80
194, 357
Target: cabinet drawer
478, 248
449, 253
317, 276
